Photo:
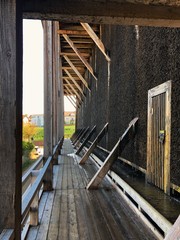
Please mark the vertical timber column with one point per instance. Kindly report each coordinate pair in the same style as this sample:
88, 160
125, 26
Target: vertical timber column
60, 99
10, 115
48, 79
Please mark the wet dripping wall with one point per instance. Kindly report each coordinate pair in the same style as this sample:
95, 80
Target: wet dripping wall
141, 58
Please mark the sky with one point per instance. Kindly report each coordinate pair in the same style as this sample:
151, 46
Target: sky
33, 69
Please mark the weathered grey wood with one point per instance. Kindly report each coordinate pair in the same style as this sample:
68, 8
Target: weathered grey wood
117, 150
174, 232
86, 140
81, 137
160, 13
78, 135
10, 115
48, 120
94, 144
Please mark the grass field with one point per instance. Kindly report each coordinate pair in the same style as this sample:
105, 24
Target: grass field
39, 136
68, 130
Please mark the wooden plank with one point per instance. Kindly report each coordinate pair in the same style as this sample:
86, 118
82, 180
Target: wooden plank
96, 39
94, 144
74, 81
74, 54
79, 135
117, 150
82, 136
174, 232
71, 95
10, 115
77, 72
70, 100
72, 32
81, 57
74, 90
86, 140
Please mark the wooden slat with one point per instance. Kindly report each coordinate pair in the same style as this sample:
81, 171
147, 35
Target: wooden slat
77, 72
117, 150
94, 144
81, 57
86, 139
72, 32
83, 135
96, 39
74, 90
74, 81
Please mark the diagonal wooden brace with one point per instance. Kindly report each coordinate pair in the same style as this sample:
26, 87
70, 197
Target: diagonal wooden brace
94, 144
81, 137
86, 140
113, 155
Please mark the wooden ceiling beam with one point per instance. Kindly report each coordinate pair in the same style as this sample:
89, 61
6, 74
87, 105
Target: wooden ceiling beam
77, 72
73, 89
72, 32
84, 61
74, 81
159, 13
96, 39
74, 54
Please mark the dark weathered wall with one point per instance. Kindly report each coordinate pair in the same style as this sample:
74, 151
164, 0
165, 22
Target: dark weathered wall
141, 58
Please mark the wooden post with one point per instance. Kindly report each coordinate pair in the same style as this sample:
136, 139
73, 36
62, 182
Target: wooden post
86, 140
94, 144
10, 115
48, 148
34, 209
113, 155
81, 137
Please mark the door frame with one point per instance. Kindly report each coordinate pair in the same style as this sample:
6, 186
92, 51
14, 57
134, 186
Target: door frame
162, 88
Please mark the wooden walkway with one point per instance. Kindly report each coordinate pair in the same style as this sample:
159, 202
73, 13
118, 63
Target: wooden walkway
71, 212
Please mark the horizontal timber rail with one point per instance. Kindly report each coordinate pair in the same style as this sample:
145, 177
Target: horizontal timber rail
32, 188
139, 205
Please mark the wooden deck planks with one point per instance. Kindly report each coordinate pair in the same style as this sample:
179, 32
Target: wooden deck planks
74, 213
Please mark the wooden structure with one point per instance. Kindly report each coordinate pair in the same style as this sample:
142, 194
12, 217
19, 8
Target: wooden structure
72, 35
113, 155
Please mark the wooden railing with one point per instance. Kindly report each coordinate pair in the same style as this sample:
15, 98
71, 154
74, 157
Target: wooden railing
32, 188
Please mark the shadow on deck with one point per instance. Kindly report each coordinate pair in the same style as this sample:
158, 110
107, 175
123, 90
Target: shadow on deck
72, 212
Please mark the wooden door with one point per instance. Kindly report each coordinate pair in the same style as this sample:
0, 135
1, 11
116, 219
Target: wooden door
158, 136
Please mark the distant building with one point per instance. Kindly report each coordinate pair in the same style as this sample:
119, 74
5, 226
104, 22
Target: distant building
37, 119
69, 118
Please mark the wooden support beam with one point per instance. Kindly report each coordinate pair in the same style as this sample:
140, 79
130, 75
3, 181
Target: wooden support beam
48, 98
74, 81
96, 39
71, 93
70, 68
73, 89
72, 32
71, 101
94, 144
10, 116
142, 12
81, 57
82, 136
174, 232
86, 139
74, 54
79, 134
113, 155
77, 72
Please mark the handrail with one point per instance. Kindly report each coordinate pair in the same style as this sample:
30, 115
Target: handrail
34, 189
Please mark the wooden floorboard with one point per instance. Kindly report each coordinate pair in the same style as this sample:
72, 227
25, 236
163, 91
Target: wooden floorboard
71, 212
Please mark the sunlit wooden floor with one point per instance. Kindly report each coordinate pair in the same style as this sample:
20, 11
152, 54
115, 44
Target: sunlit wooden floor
72, 212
